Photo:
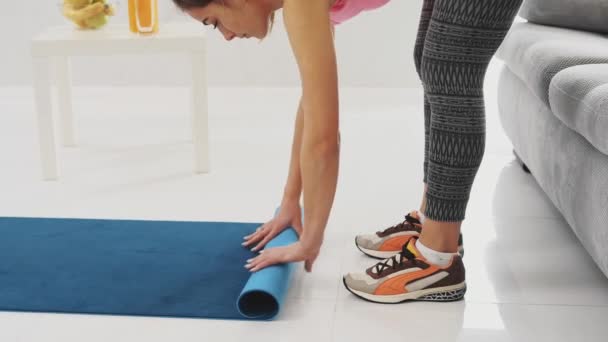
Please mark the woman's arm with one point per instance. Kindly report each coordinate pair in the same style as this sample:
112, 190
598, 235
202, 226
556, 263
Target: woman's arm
293, 186
290, 214
310, 34
315, 149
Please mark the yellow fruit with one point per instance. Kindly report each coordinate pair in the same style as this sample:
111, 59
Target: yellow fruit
96, 21
77, 4
87, 13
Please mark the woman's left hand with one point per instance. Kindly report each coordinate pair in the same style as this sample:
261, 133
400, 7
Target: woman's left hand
280, 255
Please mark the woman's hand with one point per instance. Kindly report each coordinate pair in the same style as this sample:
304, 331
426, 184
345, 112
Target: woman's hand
289, 215
280, 255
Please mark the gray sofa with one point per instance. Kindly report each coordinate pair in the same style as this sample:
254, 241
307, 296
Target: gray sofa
553, 106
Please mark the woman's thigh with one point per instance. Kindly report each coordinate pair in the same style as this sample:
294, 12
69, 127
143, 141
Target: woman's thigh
462, 38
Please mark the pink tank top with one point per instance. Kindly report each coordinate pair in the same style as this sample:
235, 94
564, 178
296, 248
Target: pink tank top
343, 10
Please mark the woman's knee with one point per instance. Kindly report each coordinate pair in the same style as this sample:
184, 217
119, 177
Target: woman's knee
442, 75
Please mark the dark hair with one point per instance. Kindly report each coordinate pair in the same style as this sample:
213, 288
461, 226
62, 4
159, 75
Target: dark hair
188, 4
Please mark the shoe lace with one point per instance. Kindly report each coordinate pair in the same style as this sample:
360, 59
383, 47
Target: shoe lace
409, 219
395, 261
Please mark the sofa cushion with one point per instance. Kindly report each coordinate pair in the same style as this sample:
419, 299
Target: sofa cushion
535, 53
588, 15
579, 98
572, 173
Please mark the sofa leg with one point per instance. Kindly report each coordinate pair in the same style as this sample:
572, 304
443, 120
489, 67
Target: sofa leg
523, 165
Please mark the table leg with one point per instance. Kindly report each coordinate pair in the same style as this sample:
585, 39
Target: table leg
64, 92
200, 119
44, 112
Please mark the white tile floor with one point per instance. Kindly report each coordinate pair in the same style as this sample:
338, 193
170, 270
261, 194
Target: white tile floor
529, 279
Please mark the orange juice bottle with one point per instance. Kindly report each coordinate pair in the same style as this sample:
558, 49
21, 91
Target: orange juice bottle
143, 16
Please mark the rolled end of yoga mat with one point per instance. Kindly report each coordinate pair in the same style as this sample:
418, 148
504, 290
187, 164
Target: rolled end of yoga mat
265, 290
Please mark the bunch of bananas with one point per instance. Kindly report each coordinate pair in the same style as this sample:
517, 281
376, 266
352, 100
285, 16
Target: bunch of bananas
87, 14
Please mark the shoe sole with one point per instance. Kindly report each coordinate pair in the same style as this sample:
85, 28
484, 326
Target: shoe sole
451, 293
381, 255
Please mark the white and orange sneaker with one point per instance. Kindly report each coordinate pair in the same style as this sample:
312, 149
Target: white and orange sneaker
384, 244
407, 276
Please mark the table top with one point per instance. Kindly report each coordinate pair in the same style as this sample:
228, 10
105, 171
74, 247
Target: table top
67, 40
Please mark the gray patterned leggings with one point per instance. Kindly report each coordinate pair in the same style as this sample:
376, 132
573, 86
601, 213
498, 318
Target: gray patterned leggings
455, 43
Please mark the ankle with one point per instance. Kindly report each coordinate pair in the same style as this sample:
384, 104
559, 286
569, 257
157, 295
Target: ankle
441, 259
440, 236
440, 246
421, 216
423, 204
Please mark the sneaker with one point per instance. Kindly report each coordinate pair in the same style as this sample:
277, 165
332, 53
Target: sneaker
408, 276
386, 243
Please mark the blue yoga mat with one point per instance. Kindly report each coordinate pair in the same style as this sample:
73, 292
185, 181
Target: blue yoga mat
137, 267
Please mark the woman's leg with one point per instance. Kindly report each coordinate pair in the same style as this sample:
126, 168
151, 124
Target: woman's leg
423, 25
462, 37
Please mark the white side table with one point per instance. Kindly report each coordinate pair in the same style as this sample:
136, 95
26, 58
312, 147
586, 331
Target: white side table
56, 45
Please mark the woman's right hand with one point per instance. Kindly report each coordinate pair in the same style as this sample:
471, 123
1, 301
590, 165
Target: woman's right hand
289, 215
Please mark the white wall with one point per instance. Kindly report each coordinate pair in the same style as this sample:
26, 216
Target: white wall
374, 49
